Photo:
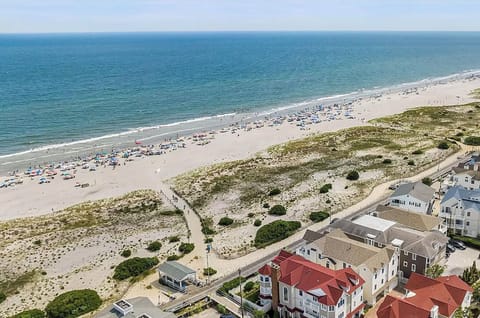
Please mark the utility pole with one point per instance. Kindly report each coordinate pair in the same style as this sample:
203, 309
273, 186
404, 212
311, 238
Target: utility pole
208, 268
241, 295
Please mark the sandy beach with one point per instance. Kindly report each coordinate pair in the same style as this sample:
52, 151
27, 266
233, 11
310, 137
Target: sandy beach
33, 199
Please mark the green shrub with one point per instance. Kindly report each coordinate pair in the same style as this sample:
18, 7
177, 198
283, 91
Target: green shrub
318, 216
275, 231
33, 313
209, 271
126, 253
173, 239
186, 248
208, 240
266, 205
257, 222
133, 267
154, 246
251, 215
231, 284
2, 297
325, 188
277, 210
427, 181
173, 257
472, 140
353, 175
248, 286
387, 161
225, 221
73, 304
443, 145
417, 152
221, 309
411, 163
37, 242
460, 134
273, 192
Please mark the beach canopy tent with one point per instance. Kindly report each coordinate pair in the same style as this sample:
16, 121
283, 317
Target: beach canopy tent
176, 275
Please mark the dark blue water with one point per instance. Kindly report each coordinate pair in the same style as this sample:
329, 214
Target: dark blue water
61, 88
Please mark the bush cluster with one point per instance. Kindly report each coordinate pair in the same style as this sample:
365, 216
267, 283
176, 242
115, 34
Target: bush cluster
427, 181
472, 140
225, 221
275, 231
318, 216
33, 313
133, 267
186, 248
73, 304
126, 253
231, 284
154, 246
325, 188
273, 192
443, 145
173, 257
209, 271
248, 286
353, 175
277, 210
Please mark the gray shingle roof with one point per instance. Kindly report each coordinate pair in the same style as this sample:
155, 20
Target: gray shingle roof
472, 173
175, 270
141, 305
417, 190
460, 193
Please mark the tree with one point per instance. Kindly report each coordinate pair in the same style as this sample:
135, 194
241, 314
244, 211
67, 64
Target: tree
33, 313
154, 246
471, 274
435, 271
133, 267
73, 304
353, 175
427, 181
277, 210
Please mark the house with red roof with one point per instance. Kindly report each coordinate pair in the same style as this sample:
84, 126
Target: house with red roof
428, 298
296, 287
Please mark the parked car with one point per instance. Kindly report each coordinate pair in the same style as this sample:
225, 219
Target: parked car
450, 248
458, 244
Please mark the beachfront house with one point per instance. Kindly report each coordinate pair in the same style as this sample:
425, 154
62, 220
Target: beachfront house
460, 208
176, 275
418, 249
414, 197
467, 178
472, 164
428, 298
418, 221
296, 287
377, 266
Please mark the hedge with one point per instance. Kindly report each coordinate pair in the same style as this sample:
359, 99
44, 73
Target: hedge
469, 241
73, 304
231, 284
33, 313
277, 210
275, 231
134, 267
318, 216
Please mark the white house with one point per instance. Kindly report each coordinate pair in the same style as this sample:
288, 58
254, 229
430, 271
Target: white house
298, 288
414, 197
460, 208
377, 266
469, 179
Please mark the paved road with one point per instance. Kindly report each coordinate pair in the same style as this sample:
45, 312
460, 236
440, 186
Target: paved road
254, 266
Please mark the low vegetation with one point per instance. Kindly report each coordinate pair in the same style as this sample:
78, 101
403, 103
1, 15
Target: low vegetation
427, 181
231, 284
353, 175
277, 210
257, 222
325, 188
126, 253
225, 221
273, 192
154, 246
186, 248
33, 313
472, 141
443, 145
318, 216
275, 231
73, 304
209, 271
174, 239
134, 267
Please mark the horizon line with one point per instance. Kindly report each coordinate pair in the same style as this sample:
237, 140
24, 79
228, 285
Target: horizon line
240, 31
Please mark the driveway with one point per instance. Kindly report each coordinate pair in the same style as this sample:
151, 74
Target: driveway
459, 260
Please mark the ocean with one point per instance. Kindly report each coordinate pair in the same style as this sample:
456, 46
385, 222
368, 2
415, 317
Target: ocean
64, 94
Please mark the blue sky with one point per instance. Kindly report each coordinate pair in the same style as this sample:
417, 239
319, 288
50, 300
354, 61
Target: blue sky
32, 16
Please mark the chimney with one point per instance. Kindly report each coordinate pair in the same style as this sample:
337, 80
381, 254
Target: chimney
434, 312
275, 288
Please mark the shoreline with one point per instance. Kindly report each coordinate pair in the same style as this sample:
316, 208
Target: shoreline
144, 172
69, 151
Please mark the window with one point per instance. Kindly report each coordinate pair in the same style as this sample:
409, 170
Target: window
414, 267
468, 213
308, 252
414, 257
382, 281
331, 308
468, 223
261, 278
344, 265
327, 265
383, 270
375, 275
375, 287
285, 294
341, 302
300, 293
405, 264
405, 253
